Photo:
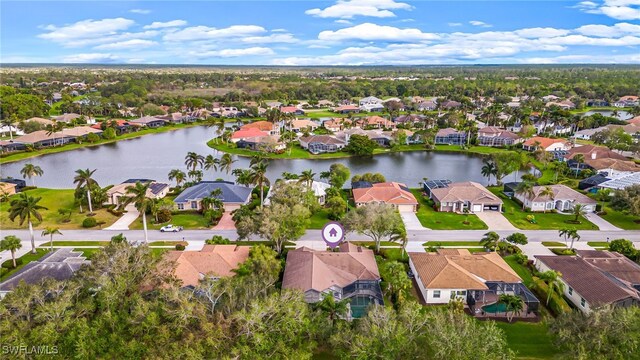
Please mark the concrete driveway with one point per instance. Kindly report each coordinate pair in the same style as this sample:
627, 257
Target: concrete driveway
125, 220
495, 220
601, 223
411, 221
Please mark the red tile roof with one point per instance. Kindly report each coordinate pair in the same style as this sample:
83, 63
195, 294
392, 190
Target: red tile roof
389, 193
248, 133
259, 125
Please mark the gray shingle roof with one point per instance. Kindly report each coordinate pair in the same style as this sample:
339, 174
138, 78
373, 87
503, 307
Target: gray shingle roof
231, 193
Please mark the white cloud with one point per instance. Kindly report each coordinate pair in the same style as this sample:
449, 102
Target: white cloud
618, 29
228, 53
168, 24
140, 11
205, 32
128, 44
93, 58
371, 32
343, 21
454, 24
541, 32
348, 9
73, 34
617, 9
273, 38
480, 23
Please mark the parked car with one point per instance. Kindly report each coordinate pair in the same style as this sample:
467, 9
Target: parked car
171, 228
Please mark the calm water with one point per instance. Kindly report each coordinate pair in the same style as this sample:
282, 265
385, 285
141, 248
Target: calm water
622, 115
153, 156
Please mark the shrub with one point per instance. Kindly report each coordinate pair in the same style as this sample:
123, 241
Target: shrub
563, 251
557, 305
92, 138
164, 215
89, 222
115, 212
521, 259
109, 134
180, 247
217, 240
9, 263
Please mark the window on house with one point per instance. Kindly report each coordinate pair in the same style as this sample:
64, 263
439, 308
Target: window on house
436, 294
180, 206
570, 291
194, 204
583, 302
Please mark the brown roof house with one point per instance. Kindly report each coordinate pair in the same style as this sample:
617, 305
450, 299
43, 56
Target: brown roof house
563, 199
117, 193
351, 273
465, 196
215, 261
317, 144
594, 280
392, 193
266, 126
601, 159
478, 279
493, 136
302, 125
546, 144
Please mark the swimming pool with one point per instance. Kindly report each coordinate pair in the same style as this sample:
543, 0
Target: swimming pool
495, 308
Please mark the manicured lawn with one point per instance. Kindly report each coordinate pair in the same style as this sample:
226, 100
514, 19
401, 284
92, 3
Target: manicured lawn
318, 219
435, 220
76, 243
193, 221
520, 269
602, 244
296, 152
26, 258
549, 221
483, 150
553, 243
452, 243
621, 220
529, 340
53, 200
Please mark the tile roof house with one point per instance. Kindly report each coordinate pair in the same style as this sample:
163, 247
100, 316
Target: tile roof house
7, 188
427, 105
351, 273
450, 136
299, 125
493, 136
266, 126
450, 104
149, 121
601, 159
156, 190
478, 279
345, 109
392, 193
42, 138
247, 133
265, 143
66, 118
370, 100
465, 196
547, 144
233, 196
376, 122
59, 265
336, 124
40, 121
591, 282
317, 144
627, 101
291, 110
213, 260
319, 189
564, 199
79, 131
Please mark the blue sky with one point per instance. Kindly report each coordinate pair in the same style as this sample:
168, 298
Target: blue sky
342, 32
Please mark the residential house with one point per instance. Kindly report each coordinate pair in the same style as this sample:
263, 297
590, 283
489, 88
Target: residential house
8, 146
319, 189
336, 124
465, 196
42, 138
117, 193
372, 107
149, 121
213, 261
67, 118
293, 110
233, 196
477, 279
546, 144
564, 105
627, 101
79, 132
450, 136
620, 182
549, 98
409, 119
597, 103
19, 183
427, 105
266, 143
370, 100
41, 121
60, 265
563, 199
613, 167
326, 103
298, 126
346, 109
7, 188
590, 282
600, 159
178, 118
377, 122
266, 126
450, 104
317, 144
383, 139
121, 126
391, 193
274, 104
244, 134
586, 134
493, 136
350, 274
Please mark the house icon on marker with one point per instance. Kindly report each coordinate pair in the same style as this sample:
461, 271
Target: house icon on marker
333, 232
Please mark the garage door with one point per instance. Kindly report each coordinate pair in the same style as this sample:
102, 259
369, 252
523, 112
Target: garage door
405, 208
477, 208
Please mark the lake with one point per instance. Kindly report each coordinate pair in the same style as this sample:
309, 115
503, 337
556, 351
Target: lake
153, 156
622, 115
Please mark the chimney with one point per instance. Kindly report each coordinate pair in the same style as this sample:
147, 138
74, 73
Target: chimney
593, 155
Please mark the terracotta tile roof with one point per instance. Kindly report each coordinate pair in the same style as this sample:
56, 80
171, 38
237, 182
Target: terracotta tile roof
589, 151
289, 109
465, 191
346, 107
615, 164
389, 193
215, 260
79, 131
324, 139
613, 263
544, 142
592, 284
259, 125
40, 121
447, 132
119, 122
378, 121
635, 121
308, 269
459, 269
34, 137
248, 133
304, 123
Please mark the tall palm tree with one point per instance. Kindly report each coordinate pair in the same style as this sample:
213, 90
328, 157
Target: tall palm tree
334, 309
193, 160
604, 194
195, 174
547, 191
11, 243
513, 304
25, 207
491, 240
84, 178
525, 189
243, 176
488, 169
257, 158
178, 175
259, 177
50, 230
552, 279
578, 210
218, 124
567, 233
29, 171
579, 159
226, 163
307, 177
137, 195
211, 163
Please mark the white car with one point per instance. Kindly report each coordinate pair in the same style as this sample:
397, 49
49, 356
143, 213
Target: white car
170, 228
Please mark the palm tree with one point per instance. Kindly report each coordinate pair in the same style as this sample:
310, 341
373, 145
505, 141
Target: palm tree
193, 161
525, 189
490, 241
243, 176
307, 177
195, 174
211, 163
138, 196
578, 210
26, 207
178, 175
257, 158
84, 178
513, 304
29, 171
604, 194
552, 279
334, 309
561, 168
579, 159
259, 177
547, 191
226, 163
488, 169
50, 230
571, 234
567, 233
11, 243
218, 124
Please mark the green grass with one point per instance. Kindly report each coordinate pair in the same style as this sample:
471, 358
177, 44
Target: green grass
602, 244
529, 340
318, 220
553, 243
88, 253
168, 243
452, 243
549, 221
620, 219
54, 199
482, 150
17, 156
76, 243
520, 269
187, 220
26, 258
435, 220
